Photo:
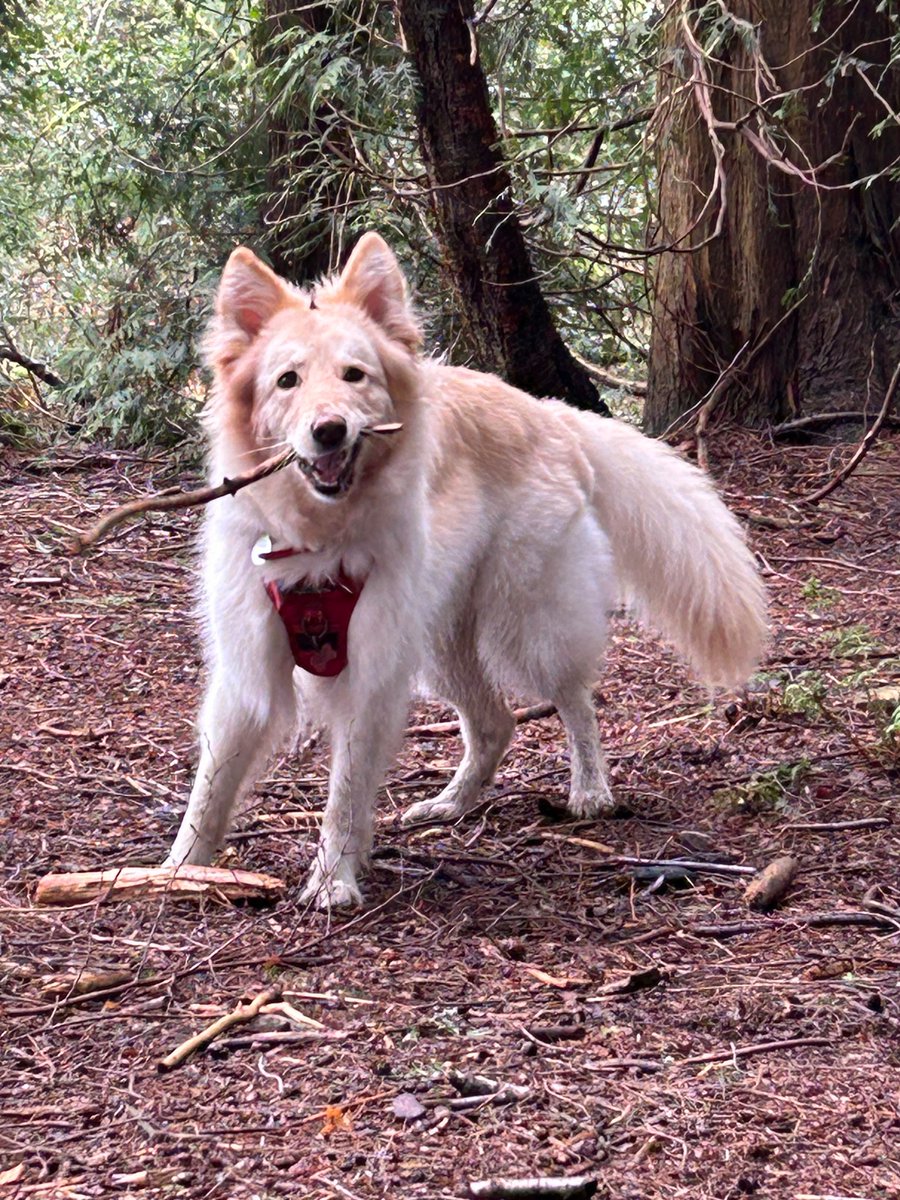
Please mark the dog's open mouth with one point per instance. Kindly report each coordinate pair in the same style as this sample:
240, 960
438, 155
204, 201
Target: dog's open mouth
331, 474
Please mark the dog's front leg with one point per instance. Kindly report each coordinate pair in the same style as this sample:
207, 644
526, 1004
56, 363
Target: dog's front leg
362, 743
249, 707
235, 738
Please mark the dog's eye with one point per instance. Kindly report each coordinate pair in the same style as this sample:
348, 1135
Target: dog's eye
287, 380
354, 375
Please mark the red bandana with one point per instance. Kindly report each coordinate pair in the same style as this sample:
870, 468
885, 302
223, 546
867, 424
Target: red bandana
317, 620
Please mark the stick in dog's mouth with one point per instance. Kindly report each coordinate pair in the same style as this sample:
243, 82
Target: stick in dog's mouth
381, 430
331, 474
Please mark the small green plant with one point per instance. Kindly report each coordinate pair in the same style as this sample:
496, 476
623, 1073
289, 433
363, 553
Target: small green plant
817, 594
767, 792
856, 641
805, 694
891, 733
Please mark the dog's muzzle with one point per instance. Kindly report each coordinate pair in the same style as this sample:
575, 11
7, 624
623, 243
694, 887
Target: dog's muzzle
331, 474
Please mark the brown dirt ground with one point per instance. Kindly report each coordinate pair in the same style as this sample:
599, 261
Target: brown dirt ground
477, 937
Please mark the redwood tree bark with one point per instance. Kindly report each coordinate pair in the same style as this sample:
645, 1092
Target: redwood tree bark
507, 321
837, 245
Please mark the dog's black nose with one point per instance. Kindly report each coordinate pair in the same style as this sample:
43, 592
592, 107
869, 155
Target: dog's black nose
330, 432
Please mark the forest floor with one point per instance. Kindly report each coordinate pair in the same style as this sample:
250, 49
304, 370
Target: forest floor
652, 1033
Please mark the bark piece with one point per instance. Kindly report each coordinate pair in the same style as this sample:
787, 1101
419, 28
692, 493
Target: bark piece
635, 982
765, 890
83, 983
130, 883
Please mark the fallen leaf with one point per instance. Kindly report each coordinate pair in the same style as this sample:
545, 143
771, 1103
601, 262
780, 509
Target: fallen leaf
407, 1107
335, 1120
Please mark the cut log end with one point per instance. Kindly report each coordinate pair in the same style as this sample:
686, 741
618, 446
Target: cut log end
767, 888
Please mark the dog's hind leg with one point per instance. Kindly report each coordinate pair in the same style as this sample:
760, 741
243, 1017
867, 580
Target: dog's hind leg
589, 791
487, 727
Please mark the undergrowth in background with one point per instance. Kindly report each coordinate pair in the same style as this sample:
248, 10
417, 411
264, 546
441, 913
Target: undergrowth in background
141, 142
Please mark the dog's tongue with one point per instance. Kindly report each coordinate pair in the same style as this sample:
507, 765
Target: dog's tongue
329, 466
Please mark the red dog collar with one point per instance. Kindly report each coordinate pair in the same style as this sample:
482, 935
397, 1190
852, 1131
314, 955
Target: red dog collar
317, 620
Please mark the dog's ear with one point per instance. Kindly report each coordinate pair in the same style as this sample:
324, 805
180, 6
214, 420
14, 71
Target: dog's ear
373, 281
249, 293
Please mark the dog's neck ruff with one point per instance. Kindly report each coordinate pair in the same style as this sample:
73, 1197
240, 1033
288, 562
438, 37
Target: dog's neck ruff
316, 619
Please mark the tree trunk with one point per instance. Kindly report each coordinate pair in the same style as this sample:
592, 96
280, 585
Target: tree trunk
303, 180
507, 323
799, 287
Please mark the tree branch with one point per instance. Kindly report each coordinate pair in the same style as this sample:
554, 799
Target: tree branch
40, 370
166, 501
864, 446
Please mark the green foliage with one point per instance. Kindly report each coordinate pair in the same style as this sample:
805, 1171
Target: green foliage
769, 791
856, 641
117, 200
805, 694
817, 594
140, 142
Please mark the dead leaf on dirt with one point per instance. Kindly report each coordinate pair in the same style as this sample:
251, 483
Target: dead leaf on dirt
12, 1174
336, 1121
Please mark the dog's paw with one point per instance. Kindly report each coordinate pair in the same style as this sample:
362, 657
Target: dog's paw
334, 888
593, 802
432, 810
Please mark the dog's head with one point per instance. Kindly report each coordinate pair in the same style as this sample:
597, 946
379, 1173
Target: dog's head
314, 370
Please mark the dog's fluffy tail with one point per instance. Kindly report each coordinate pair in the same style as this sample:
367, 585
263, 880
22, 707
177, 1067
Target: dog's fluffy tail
680, 553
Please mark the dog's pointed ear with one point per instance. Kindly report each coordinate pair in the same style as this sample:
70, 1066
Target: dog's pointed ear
373, 280
249, 293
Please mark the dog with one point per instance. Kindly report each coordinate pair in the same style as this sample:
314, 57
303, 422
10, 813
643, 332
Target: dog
438, 530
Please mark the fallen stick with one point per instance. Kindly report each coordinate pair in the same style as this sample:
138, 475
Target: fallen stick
539, 1187
627, 860
166, 501
172, 498
827, 826
280, 1037
810, 920
757, 1048
765, 890
130, 883
245, 1011
651, 1066
534, 712
880, 908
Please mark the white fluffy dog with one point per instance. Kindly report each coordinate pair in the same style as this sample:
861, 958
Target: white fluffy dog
475, 551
